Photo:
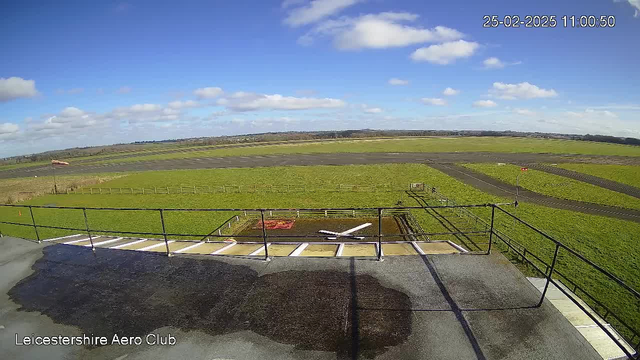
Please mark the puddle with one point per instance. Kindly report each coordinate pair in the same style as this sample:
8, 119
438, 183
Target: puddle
132, 293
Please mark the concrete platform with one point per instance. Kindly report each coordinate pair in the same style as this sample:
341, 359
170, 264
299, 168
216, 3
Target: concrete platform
406, 307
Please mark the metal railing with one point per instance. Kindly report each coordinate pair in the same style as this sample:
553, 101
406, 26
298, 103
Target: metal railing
379, 212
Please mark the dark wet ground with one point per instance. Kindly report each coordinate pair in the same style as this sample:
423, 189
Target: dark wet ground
134, 293
310, 227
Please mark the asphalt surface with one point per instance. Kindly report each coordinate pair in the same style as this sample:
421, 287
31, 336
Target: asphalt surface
412, 307
499, 188
318, 159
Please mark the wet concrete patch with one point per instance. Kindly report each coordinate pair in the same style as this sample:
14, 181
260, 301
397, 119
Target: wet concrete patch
133, 293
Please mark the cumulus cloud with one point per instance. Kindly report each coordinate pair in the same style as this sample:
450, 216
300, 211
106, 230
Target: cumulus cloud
522, 90
446, 53
433, 101
245, 101
398, 82
378, 31
183, 104
493, 63
144, 113
314, 11
484, 104
15, 88
70, 121
635, 4
450, 92
208, 92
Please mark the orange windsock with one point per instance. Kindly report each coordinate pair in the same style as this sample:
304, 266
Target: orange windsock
58, 162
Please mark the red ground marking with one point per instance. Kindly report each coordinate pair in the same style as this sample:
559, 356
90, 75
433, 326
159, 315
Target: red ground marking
275, 224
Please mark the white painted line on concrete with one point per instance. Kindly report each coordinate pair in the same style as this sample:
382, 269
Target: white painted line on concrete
61, 237
340, 249
105, 242
155, 245
75, 241
457, 246
417, 248
223, 249
299, 249
127, 244
259, 250
189, 247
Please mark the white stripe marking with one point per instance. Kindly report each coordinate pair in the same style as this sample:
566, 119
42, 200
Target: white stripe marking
223, 249
127, 244
299, 249
62, 237
340, 249
259, 250
104, 242
75, 241
189, 247
418, 248
155, 246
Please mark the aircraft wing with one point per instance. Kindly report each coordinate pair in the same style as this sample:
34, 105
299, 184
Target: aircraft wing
355, 229
328, 232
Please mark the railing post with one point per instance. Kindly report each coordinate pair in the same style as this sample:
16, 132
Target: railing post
86, 224
35, 228
493, 214
553, 264
164, 232
379, 234
264, 237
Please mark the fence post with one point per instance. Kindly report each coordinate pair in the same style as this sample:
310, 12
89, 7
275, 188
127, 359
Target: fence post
86, 224
553, 264
379, 234
164, 232
34, 224
493, 213
264, 237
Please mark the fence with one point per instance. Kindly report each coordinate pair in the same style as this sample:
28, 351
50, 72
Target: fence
284, 188
550, 270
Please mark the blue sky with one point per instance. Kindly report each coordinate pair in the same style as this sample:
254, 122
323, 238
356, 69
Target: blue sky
79, 73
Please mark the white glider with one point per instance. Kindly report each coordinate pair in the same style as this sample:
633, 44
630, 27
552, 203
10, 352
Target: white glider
347, 233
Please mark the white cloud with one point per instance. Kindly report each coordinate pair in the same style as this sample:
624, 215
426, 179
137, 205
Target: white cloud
446, 53
433, 101
398, 82
484, 104
522, 90
450, 92
378, 31
124, 90
183, 104
525, 112
15, 87
244, 101
289, 3
9, 131
316, 10
493, 63
635, 4
592, 113
371, 110
208, 92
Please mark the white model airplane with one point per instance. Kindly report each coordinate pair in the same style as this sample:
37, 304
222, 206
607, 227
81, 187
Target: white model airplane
347, 233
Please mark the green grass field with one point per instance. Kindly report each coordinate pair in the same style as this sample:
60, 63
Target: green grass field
609, 242
625, 174
436, 144
556, 186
